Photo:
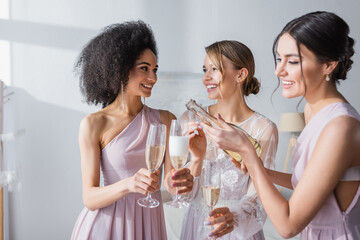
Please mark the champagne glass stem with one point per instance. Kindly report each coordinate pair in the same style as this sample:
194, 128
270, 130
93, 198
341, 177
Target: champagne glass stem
148, 197
177, 195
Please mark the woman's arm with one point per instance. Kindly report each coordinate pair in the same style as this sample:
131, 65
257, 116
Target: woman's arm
269, 144
197, 148
94, 196
248, 213
326, 166
280, 178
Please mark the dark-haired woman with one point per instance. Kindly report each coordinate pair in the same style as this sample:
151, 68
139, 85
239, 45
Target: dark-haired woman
117, 68
313, 53
229, 69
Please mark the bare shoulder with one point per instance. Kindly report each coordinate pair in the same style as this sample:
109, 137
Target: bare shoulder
93, 123
343, 134
344, 127
166, 117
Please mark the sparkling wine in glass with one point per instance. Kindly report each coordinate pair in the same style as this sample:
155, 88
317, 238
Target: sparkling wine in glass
211, 184
154, 155
178, 149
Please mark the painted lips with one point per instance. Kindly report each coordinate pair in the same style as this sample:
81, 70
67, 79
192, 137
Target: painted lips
287, 84
211, 87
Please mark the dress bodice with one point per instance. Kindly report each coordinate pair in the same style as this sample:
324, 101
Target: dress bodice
125, 219
125, 154
330, 222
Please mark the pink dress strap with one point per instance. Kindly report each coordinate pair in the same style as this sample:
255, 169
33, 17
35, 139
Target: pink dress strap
352, 174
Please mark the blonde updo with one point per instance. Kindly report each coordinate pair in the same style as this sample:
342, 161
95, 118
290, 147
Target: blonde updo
240, 56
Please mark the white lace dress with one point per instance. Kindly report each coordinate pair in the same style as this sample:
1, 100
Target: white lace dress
237, 191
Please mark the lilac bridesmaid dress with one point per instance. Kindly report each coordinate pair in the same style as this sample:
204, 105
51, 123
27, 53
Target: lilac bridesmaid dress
125, 219
330, 222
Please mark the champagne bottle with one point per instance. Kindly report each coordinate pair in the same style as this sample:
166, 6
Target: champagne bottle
207, 118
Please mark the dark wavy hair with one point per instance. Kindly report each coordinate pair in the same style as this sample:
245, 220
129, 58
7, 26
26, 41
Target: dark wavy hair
105, 62
327, 36
240, 56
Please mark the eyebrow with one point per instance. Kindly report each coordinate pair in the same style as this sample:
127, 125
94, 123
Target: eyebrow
211, 65
146, 63
289, 55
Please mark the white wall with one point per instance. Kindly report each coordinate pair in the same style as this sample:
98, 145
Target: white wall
45, 38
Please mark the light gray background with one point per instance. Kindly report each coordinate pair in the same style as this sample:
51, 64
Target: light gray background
46, 37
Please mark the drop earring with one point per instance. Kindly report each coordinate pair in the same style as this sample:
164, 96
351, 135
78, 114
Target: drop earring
122, 97
327, 77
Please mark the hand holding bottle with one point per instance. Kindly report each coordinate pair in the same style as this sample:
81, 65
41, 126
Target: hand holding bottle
210, 121
229, 138
241, 166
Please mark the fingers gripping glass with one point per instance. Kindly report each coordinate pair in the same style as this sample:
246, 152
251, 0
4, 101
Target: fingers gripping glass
178, 149
154, 155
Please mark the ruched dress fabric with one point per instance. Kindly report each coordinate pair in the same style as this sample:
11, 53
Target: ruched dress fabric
330, 223
237, 190
125, 219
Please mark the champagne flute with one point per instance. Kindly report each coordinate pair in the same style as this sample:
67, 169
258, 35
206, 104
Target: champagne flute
154, 155
211, 180
178, 149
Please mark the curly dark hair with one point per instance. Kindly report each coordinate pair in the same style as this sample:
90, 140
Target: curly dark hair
105, 61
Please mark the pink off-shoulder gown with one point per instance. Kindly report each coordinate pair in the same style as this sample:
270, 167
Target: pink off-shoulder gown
330, 223
124, 219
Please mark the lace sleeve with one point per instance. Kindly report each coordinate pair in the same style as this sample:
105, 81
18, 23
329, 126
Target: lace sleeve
249, 213
249, 216
269, 142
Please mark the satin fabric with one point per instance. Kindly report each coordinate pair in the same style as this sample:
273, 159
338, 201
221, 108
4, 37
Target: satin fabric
330, 223
125, 219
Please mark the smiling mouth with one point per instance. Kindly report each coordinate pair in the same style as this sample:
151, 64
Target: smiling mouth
212, 86
147, 86
287, 83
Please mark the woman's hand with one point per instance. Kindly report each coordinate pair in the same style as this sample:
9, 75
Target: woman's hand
241, 166
227, 138
222, 220
182, 179
197, 141
144, 181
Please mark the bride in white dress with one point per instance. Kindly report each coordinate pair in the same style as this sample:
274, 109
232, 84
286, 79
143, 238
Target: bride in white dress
228, 77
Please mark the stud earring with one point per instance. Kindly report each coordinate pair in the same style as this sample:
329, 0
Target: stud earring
327, 77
